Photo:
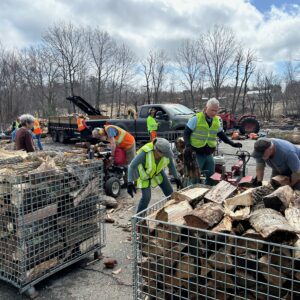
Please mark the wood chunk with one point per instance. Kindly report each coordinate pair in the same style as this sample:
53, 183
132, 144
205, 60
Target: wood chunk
296, 252
292, 215
221, 192
244, 199
205, 216
273, 226
280, 198
221, 260
153, 248
92, 187
185, 268
280, 180
39, 214
224, 226
41, 268
223, 280
270, 273
174, 213
240, 214
192, 195
244, 246
109, 202
167, 235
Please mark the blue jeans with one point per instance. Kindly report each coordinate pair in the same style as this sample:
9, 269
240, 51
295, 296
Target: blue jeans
206, 166
13, 135
146, 193
39, 141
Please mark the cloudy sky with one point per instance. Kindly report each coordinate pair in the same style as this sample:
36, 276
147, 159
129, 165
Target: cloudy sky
270, 27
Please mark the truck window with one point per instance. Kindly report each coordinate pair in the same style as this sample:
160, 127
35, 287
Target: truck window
144, 112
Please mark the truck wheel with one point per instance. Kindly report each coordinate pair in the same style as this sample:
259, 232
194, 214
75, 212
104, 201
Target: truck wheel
113, 187
61, 137
54, 136
249, 125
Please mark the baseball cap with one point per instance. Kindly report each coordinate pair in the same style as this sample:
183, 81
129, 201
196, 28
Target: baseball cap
260, 146
164, 146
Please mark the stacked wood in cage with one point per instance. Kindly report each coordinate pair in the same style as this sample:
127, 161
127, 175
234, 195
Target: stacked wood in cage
213, 242
49, 213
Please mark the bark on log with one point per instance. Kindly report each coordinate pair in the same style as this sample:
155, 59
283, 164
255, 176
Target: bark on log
221, 260
273, 226
153, 249
244, 199
174, 213
280, 198
292, 215
186, 268
92, 187
280, 180
109, 202
244, 246
205, 216
220, 192
167, 235
240, 214
41, 268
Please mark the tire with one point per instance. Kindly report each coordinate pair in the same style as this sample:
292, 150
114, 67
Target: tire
249, 125
54, 136
113, 187
61, 136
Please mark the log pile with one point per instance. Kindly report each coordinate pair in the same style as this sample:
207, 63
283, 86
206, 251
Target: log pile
50, 213
187, 252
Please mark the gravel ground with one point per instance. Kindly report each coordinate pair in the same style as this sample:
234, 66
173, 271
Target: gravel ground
94, 282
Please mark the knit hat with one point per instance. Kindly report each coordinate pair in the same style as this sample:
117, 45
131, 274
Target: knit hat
260, 146
163, 146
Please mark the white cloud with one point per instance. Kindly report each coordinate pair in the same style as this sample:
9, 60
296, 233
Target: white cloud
148, 24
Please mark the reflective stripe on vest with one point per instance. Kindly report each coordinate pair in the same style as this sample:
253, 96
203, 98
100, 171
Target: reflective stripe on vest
151, 173
203, 134
151, 124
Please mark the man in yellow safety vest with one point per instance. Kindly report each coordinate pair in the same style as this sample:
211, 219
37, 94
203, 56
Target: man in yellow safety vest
148, 169
152, 125
200, 136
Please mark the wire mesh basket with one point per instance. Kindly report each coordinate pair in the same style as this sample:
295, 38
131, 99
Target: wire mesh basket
171, 136
179, 262
48, 220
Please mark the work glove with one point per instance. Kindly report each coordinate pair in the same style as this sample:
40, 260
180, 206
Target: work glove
237, 145
131, 190
178, 183
256, 183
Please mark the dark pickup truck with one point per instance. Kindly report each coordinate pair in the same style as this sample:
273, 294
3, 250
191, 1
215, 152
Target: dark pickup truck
172, 119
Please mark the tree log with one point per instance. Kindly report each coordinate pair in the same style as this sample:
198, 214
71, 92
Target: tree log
221, 260
109, 202
280, 180
292, 215
280, 198
273, 226
244, 246
220, 192
240, 214
205, 216
244, 199
167, 235
174, 213
192, 195
185, 268
224, 226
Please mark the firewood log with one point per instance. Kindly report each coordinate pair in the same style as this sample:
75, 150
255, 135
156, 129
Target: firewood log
244, 199
221, 260
280, 180
174, 213
41, 268
273, 226
280, 198
220, 192
292, 215
192, 195
224, 281
225, 226
239, 214
185, 268
167, 235
205, 216
244, 246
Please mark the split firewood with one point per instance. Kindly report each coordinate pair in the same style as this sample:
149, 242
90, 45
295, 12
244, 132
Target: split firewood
224, 281
221, 192
239, 214
273, 226
243, 199
282, 257
174, 213
252, 243
270, 273
280, 198
221, 260
90, 243
205, 216
185, 268
258, 194
280, 180
292, 215
92, 187
167, 235
109, 202
41, 268
296, 252
39, 214
225, 226
193, 195
153, 249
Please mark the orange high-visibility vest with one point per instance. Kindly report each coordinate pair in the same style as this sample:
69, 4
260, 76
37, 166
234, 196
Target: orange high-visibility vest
36, 127
80, 124
124, 139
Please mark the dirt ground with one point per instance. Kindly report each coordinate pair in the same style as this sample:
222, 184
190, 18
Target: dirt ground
94, 282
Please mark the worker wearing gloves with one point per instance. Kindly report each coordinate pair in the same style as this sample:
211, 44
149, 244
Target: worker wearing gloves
82, 127
148, 168
117, 137
152, 125
200, 137
282, 156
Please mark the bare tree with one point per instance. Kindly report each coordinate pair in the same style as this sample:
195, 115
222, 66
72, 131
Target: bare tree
68, 45
147, 67
102, 49
190, 66
217, 48
158, 72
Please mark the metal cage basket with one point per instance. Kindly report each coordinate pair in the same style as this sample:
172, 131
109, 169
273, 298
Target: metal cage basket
49, 220
179, 262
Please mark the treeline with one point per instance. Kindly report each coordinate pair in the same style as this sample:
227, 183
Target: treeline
72, 60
